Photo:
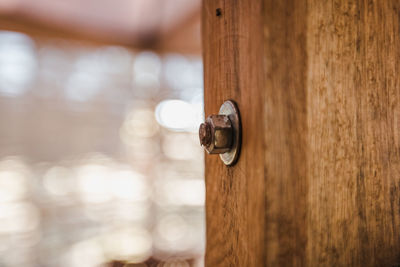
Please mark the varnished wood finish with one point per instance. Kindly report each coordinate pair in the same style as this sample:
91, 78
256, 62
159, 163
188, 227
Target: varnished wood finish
318, 87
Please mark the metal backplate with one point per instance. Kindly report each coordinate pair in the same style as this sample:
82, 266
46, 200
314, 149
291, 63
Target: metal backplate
230, 109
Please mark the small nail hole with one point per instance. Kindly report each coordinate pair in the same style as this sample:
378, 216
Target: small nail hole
218, 12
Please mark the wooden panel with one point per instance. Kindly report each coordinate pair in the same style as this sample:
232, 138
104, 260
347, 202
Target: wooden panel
235, 195
318, 180
285, 131
353, 133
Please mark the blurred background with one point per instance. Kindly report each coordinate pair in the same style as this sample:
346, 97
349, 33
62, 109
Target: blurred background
100, 163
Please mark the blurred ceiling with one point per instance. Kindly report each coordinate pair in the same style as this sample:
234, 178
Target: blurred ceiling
172, 23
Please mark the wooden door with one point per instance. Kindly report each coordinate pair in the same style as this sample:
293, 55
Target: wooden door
318, 87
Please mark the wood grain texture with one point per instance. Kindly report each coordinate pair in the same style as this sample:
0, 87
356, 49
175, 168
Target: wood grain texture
285, 132
353, 131
318, 87
235, 195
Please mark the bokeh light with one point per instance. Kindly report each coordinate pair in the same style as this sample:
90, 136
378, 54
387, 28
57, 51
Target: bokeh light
17, 63
99, 157
178, 115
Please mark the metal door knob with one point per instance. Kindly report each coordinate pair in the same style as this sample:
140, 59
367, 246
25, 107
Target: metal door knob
221, 134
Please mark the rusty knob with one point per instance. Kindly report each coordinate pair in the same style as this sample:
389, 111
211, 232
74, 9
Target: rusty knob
205, 134
216, 134
221, 134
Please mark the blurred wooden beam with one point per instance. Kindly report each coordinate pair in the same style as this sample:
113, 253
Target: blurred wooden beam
139, 23
36, 30
184, 39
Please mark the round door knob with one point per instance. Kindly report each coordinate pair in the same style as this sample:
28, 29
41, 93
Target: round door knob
220, 134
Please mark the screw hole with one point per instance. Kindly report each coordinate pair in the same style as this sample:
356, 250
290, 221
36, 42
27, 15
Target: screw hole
218, 12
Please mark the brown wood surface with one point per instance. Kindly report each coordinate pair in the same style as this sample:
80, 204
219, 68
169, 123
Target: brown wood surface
318, 87
232, 45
